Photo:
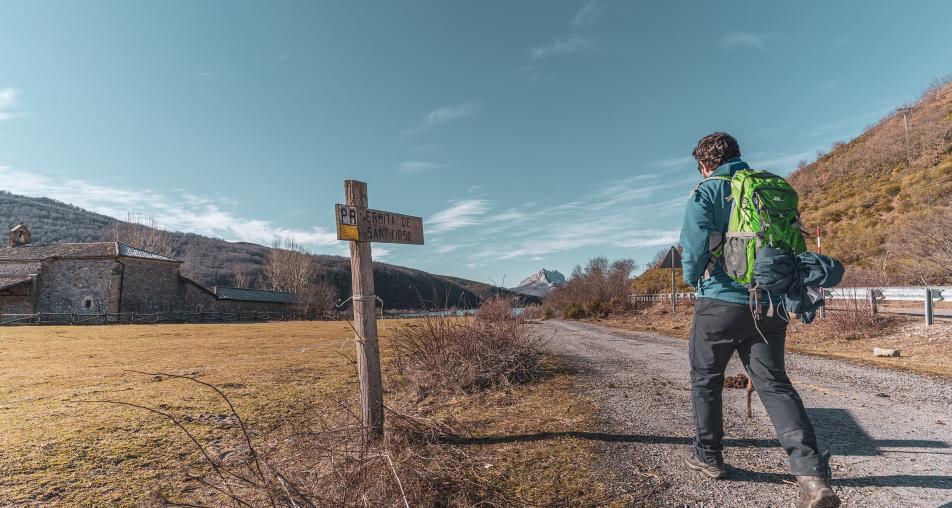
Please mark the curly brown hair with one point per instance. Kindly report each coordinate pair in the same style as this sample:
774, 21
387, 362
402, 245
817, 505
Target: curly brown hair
715, 149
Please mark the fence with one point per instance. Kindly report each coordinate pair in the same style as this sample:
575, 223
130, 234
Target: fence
660, 297
874, 296
62, 318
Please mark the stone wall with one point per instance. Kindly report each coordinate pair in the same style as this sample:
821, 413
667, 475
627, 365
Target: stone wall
73, 285
149, 286
17, 299
194, 298
127, 285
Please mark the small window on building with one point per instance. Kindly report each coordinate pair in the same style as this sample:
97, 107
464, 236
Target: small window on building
88, 303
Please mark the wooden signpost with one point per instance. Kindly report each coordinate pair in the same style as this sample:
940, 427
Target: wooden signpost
361, 225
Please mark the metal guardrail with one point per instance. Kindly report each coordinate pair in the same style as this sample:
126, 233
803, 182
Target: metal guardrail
896, 293
874, 296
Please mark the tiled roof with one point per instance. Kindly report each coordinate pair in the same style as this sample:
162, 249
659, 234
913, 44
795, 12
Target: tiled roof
252, 295
59, 250
77, 251
10, 281
132, 252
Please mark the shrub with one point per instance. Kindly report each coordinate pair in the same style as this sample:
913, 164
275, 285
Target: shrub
597, 308
573, 311
445, 354
594, 290
851, 318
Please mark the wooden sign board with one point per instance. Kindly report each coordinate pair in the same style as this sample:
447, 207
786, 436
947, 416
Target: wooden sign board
359, 224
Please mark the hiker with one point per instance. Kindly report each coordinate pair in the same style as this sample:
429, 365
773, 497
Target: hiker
728, 318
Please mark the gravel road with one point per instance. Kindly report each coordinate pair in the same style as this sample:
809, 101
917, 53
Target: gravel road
890, 432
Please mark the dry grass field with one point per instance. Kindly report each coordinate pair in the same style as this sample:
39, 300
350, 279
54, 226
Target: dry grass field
57, 450
53, 448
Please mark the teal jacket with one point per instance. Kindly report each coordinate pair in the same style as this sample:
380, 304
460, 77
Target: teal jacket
709, 210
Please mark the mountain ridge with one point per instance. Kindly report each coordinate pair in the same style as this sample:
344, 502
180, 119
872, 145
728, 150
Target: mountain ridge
216, 262
540, 283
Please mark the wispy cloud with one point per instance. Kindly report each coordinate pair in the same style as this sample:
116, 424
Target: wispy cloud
180, 212
414, 167
450, 113
587, 14
8, 97
446, 249
739, 40
208, 75
444, 115
8, 101
461, 213
623, 214
650, 238
673, 162
567, 46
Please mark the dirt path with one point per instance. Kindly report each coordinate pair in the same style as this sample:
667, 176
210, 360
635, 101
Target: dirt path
890, 433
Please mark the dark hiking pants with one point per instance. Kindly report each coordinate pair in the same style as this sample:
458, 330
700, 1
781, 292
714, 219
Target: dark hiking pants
720, 328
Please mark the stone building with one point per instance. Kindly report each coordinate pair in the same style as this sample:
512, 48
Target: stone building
111, 277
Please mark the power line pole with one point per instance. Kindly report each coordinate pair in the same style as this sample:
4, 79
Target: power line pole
905, 110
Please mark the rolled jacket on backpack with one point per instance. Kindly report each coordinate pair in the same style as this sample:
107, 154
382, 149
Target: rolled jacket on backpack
774, 271
797, 278
817, 270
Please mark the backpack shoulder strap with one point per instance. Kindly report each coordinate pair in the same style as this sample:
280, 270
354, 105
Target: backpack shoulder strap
708, 179
715, 238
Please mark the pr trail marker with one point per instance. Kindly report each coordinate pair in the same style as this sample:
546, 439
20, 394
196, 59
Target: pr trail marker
360, 225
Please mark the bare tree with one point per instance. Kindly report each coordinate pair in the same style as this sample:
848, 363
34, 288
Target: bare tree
142, 232
320, 298
927, 242
594, 289
242, 278
289, 268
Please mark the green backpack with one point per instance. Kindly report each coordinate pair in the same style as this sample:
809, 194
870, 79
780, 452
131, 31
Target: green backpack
763, 213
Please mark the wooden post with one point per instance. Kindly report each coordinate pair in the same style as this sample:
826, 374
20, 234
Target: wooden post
872, 301
674, 296
365, 322
929, 318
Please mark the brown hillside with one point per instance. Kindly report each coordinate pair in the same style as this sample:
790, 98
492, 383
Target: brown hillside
876, 197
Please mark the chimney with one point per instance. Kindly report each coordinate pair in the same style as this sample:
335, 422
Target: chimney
19, 235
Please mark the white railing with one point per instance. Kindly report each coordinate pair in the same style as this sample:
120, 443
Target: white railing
660, 297
875, 296
895, 294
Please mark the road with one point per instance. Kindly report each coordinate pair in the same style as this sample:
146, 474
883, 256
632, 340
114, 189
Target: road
890, 432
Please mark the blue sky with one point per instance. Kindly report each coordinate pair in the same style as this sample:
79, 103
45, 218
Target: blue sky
527, 134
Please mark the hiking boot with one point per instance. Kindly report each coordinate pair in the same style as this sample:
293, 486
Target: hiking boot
710, 470
816, 492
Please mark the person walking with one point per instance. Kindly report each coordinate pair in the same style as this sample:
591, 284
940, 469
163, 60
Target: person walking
728, 320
